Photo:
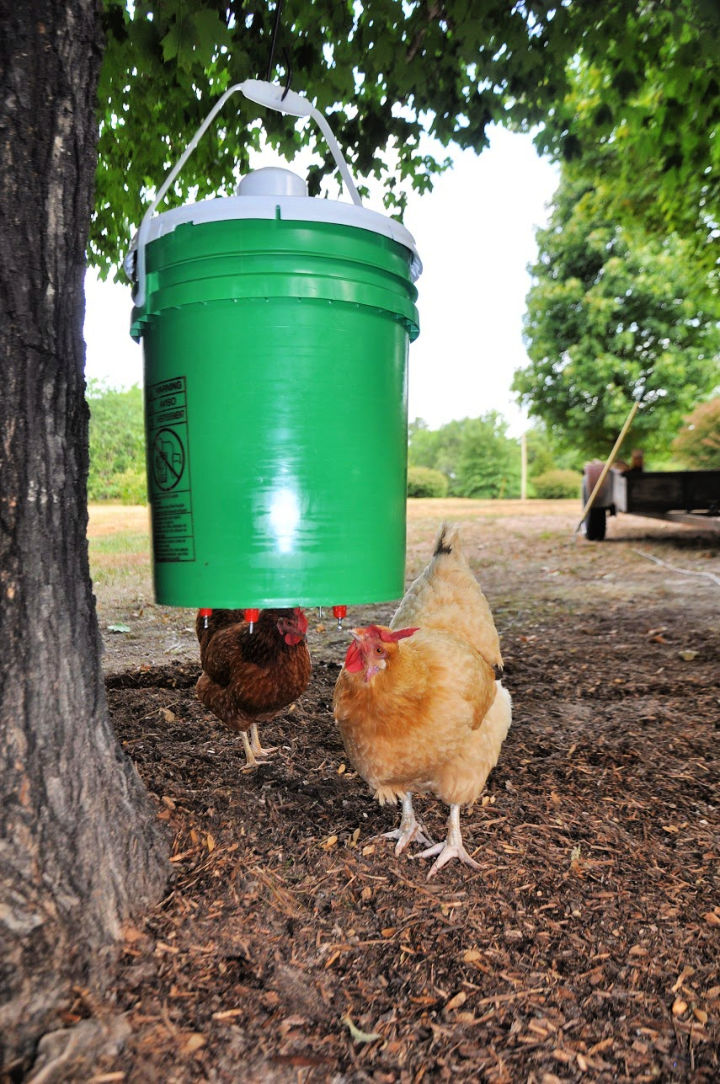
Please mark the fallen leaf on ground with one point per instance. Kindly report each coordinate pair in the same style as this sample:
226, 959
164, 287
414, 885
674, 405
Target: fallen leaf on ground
357, 1035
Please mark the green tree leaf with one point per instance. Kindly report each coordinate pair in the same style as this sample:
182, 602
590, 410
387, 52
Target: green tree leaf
614, 316
638, 76
697, 445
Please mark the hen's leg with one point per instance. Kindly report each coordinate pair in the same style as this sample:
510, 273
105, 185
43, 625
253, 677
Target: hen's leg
250, 761
255, 743
410, 829
451, 848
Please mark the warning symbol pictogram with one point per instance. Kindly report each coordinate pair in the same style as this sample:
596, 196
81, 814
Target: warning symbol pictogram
168, 459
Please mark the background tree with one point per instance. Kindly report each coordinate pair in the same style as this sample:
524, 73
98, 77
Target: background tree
489, 461
697, 445
476, 456
117, 444
543, 455
83, 851
438, 448
423, 444
552, 473
614, 316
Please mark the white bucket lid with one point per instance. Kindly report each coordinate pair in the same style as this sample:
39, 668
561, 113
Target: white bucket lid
281, 194
273, 192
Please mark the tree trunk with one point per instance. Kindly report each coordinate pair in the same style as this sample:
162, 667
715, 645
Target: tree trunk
80, 849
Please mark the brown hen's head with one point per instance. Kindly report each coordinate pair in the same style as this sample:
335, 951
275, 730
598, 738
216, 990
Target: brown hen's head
292, 626
372, 647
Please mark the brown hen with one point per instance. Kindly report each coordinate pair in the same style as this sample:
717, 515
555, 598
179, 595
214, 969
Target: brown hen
250, 676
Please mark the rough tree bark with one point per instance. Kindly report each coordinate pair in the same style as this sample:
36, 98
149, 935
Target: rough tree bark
80, 849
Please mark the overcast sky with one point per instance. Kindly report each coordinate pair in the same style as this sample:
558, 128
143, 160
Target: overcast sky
475, 233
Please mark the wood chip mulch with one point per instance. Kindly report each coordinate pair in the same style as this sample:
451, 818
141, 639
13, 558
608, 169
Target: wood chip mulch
293, 946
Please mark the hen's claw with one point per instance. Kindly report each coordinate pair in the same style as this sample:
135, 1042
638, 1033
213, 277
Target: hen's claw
253, 748
415, 835
451, 848
410, 830
250, 761
446, 852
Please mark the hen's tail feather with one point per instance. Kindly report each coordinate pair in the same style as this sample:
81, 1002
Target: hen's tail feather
447, 541
442, 546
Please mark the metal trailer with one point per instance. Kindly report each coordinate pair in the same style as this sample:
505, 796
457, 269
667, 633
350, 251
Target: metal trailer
690, 497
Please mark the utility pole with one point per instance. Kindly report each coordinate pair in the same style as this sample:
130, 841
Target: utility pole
523, 467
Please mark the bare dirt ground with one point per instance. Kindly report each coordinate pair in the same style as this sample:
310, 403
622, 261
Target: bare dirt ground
293, 946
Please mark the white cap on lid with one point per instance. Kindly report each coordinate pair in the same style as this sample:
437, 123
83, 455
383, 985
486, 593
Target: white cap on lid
272, 181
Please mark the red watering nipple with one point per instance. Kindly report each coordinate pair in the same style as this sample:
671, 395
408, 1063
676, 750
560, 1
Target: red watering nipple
339, 612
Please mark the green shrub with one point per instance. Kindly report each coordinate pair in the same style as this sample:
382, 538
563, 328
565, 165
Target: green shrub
555, 484
127, 487
426, 482
132, 486
117, 444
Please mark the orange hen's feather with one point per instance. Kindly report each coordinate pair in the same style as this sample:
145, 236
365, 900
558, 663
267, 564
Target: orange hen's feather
424, 722
426, 713
447, 596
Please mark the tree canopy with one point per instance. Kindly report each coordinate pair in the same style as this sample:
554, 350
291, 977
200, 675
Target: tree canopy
642, 115
385, 73
615, 315
624, 301
697, 445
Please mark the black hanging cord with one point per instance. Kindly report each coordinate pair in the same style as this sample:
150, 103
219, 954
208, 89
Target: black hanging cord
286, 58
288, 77
273, 43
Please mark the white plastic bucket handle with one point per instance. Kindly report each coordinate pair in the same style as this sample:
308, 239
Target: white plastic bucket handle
255, 90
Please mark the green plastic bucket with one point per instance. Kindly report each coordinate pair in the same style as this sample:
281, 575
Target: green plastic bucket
275, 330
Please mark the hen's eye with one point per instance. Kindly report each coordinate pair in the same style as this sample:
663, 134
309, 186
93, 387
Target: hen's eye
378, 650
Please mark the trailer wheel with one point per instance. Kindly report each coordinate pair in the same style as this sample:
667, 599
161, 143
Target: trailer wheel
595, 523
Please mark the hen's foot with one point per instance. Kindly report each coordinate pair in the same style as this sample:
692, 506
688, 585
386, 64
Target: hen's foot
445, 853
250, 761
451, 848
256, 746
415, 834
410, 830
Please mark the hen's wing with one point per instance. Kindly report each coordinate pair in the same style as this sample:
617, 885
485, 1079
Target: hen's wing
269, 688
224, 650
228, 641
216, 620
239, 690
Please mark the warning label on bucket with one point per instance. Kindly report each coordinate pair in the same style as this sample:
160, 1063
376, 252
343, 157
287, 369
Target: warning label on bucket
169, 470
